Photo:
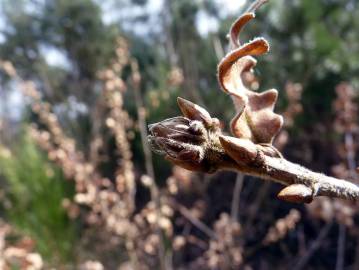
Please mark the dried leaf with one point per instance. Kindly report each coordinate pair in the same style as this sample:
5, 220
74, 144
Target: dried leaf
237, 27
255, 119
238, 61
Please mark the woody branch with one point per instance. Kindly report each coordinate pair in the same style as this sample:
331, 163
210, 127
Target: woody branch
195, 141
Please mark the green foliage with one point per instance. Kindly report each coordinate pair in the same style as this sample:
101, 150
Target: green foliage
74, 32
77, 27
34, 190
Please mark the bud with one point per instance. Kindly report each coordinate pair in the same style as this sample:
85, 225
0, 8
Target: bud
183, 141
178, 129
190, 142
296, 193
243, 151
180, 139
194, 112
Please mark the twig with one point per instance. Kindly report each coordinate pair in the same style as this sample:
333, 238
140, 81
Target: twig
278, 169
253, 208
236, 196
218, 48
350, 156
213, 152
313, 247
341, 248
196, 222
136, 80
282, 171
255, 5
356, 261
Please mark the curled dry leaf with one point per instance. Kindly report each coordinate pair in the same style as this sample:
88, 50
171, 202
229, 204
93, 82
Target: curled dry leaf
255, 119
237, 27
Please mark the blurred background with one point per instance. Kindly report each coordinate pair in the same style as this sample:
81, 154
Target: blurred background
80, 81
